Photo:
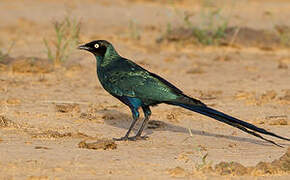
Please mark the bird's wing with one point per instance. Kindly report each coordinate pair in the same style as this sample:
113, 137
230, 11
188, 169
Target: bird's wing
134, 81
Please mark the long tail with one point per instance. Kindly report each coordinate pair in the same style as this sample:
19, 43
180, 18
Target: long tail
242, 125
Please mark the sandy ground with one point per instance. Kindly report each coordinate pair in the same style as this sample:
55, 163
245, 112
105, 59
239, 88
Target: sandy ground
44, 116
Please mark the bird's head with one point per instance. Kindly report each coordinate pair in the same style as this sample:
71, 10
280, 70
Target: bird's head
98, 47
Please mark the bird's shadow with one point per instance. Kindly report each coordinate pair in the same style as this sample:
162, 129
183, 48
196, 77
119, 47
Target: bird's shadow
122, 120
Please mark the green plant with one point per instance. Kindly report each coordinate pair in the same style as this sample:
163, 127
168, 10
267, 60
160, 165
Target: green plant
212, 29
210, 36
134, 30
67, 37
283, 33
5, 54
204, 163
168, 28
1, 55
285, 39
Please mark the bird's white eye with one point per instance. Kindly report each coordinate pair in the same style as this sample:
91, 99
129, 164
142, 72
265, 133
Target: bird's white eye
97, 46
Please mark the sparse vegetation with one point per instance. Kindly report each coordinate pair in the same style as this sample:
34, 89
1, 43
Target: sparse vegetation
134, 30
67, 37
284, 35
204, 163
213, 29
5, 54
210, 32
2, 55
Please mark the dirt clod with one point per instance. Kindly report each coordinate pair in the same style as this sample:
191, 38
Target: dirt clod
67, 108
172, 117
234, 168
91, 117
282, 65
104, 144
283, 162
177, 172
286, 98
13, 101
277, 120
55, 134
5, 122
196, 70
209, 95
41, 147
268, 96
281, 165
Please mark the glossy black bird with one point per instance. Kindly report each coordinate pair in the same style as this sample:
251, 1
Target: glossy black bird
136, 87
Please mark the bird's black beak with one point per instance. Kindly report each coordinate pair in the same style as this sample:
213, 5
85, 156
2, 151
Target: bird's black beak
84, 47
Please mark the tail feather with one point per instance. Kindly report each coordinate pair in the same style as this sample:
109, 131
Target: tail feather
242, 125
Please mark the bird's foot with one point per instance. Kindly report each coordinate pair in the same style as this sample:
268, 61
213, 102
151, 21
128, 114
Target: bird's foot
125, 138
134, 138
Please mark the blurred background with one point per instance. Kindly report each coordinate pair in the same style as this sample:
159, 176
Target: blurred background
206, 22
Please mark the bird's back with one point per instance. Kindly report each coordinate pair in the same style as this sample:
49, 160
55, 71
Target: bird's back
122, 77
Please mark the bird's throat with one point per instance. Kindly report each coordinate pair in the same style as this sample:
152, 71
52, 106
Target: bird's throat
99, 60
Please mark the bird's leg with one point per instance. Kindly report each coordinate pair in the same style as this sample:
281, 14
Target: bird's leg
135, 118
147, 113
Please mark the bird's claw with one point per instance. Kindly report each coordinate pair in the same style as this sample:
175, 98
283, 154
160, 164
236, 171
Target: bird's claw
125, 138
134, 138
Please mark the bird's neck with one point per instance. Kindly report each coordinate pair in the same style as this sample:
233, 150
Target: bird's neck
99, 60
110, 56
